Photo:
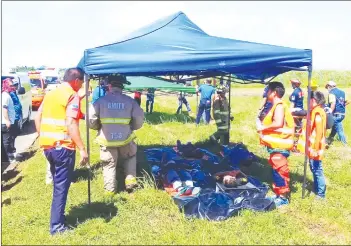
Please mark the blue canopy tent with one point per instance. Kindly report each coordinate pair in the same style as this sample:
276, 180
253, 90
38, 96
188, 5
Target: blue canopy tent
175, 45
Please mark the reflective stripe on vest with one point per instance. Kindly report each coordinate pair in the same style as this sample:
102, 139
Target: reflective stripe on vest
281, 138
122, 121
218, 121
315, 154
114, 143
225, 127
51, 121
56, 135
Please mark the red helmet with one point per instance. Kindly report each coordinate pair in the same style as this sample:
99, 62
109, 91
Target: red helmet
295, 81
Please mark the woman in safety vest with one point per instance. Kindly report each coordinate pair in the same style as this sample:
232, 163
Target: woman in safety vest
277, 134
316, 141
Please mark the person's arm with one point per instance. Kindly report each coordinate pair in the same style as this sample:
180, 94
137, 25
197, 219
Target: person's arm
217, 111
332, 101
319, 132
94, 119
137, 117
37, 119
278, 119
72, 123
5, 103
347, 102
263, 102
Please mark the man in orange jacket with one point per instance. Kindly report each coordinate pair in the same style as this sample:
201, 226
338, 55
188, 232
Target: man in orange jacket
277, 134
58, 129
316, 142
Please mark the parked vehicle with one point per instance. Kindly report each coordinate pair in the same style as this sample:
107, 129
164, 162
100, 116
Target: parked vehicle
24, 94
38, 86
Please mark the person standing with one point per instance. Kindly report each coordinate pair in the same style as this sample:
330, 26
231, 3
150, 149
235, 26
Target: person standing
137, 97
116, 116
150, 98
8, 118
316, 141
206, 90
99, 91
221, 117
277, 134
337, 103
59, 136
181, 100
18, 118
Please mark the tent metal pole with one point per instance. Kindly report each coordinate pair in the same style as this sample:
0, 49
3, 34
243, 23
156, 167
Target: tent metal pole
229, 108
308, 123
86, 80
197, 96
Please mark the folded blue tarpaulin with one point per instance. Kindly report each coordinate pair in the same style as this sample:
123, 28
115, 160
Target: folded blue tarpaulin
176, 45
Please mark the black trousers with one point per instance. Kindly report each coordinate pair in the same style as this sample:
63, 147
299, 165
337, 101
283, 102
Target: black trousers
8, 139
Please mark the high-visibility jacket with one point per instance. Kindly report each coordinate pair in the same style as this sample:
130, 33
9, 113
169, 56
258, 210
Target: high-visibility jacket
116, 116
281, 138
53, 129
221, 113
315, 149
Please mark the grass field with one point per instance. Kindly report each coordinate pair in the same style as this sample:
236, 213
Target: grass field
149, 216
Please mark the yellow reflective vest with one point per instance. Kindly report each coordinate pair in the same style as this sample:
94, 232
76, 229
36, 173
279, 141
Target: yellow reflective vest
53, 129
281, 138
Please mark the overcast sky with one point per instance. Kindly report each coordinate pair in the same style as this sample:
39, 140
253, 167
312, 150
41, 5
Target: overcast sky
56, 33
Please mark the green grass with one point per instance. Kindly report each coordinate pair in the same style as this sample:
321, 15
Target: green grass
149, 216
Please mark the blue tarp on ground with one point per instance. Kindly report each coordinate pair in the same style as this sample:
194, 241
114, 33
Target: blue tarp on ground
176, 45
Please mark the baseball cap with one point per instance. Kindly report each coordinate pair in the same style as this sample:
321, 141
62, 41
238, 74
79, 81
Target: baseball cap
296, 81
330, 83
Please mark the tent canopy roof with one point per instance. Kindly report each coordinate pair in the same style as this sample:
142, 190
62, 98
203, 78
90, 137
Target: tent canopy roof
140, 83
175, 45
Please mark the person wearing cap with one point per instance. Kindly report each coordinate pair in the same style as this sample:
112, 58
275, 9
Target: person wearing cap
207, 91
58, 127
296, 97
221, 117
116, 116
337, 103
316, 141
19, 115
8, 117
99, 91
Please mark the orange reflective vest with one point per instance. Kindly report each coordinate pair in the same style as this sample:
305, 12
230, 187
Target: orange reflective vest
281, 138
315, 149
53, 129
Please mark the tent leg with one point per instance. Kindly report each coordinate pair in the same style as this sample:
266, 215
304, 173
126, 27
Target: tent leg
228, 134
308, 122
197, 96
86, 80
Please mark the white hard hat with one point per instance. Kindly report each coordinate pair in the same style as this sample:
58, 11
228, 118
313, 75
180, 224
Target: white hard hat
330, 83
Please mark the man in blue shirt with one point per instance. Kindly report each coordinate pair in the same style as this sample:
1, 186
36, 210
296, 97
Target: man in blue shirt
337, 103
18, 116
150, 98
99, 91
206, 90
296, 98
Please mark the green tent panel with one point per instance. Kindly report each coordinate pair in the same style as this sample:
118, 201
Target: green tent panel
140, 83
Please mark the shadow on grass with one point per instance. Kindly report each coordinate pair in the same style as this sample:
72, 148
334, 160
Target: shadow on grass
5, 177
81, 213
10, 186
28, 154
157, 118
83, 173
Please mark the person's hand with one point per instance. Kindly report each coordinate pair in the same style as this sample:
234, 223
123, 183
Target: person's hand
231, 118
83, 157
7, 123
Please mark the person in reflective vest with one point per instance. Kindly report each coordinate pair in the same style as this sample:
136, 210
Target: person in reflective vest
221, 117
58, 129
337, 103
316, 141
277, 134
116, 116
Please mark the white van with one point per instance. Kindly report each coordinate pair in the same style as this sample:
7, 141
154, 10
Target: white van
24, 93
